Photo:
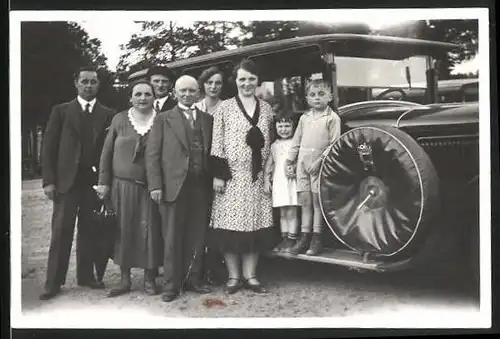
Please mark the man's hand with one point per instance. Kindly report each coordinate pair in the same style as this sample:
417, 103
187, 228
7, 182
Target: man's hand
219, 185
156, 195
102, 191
50, 191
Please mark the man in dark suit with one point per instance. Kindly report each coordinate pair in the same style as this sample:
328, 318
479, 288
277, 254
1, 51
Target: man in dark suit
70, 158
177, 155
162, 79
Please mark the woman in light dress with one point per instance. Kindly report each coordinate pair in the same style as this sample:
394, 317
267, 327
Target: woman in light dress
241, 223
211, 82
283, 189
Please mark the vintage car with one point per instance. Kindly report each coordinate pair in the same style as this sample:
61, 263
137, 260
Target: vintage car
399, 188
452, 90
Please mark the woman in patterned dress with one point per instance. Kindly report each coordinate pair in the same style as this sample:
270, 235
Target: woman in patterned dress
123, 172
211, 82
241, 223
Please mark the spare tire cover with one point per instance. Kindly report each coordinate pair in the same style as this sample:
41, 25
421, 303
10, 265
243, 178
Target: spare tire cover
378, 190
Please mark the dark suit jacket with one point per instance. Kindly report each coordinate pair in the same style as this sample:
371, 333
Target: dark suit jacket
62, 142
168, 104
167, 151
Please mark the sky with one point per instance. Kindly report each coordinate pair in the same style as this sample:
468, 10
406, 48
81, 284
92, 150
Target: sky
111, 39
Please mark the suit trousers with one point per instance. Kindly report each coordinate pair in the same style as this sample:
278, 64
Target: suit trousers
184, 225
78, 201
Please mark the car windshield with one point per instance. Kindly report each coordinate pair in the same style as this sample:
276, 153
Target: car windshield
366, 66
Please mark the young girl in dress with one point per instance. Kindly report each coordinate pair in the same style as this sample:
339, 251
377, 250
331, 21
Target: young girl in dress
283, 189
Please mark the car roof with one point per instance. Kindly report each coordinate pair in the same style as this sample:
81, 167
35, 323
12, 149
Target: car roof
350, 45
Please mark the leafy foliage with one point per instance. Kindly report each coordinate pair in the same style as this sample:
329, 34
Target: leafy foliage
161, 42
263, 31
464, 33
50, 54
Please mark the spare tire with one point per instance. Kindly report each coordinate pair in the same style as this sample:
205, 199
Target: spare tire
379, 191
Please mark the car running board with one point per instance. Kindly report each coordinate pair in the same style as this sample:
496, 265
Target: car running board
337, 257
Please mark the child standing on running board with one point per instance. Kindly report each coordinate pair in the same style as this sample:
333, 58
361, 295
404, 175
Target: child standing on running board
317, 129
283, 189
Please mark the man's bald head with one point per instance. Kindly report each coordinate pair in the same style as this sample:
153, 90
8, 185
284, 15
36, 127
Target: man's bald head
186, 80
186, 90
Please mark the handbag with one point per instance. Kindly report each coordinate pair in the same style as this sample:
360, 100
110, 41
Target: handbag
105, 234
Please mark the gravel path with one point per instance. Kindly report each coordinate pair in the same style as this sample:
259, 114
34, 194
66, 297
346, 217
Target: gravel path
297, 289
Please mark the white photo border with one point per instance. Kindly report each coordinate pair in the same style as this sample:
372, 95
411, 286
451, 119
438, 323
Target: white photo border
99, 318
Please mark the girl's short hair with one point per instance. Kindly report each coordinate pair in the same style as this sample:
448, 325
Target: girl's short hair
283, 118
207, 74
138, 82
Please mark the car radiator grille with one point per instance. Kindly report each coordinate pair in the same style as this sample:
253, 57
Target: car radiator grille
455, 157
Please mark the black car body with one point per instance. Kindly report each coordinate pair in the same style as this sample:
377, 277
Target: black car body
412, 165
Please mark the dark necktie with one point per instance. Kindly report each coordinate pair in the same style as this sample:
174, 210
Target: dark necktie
189, 113
157, 106
87, 108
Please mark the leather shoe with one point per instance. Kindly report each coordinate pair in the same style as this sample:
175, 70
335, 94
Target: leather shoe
150, 288
50, 294
231, 289
198, 288
169, 296
118, 291
257, 288
93, 284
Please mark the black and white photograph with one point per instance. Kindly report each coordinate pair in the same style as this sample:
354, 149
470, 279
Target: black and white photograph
250, 169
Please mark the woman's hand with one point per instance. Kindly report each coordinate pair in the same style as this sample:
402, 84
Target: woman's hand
267, 186
219, 185
102, 191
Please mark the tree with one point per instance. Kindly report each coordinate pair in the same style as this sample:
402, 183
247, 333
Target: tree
464, 33
161, 42
461, 32
50, 54
263, 31
213, 36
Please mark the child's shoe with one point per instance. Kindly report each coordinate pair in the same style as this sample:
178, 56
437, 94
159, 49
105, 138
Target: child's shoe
288, 243
279, 247
316, 246
302, 244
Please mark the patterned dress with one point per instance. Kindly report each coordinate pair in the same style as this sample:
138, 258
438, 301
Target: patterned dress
241, 218
202, 106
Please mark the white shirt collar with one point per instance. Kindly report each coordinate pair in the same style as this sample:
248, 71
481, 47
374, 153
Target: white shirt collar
325, 112
183, 108
83, 103
161, 101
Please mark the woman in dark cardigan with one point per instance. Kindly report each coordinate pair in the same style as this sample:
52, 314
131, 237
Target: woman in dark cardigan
122, 171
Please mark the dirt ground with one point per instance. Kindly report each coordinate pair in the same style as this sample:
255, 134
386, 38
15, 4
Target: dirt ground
296, 288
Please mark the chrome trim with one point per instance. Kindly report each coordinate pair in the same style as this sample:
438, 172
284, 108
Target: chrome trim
407, 112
